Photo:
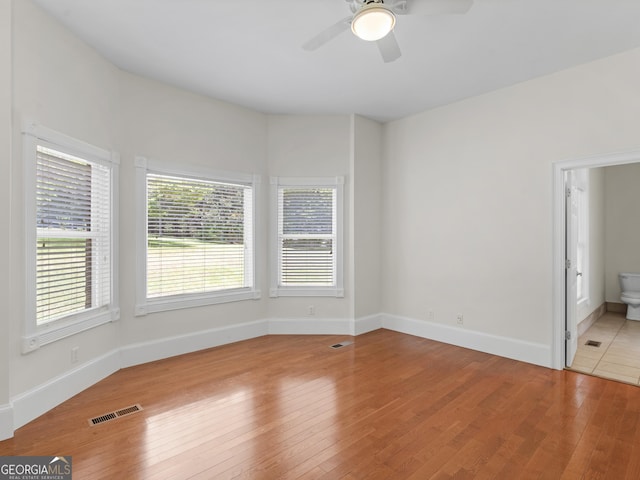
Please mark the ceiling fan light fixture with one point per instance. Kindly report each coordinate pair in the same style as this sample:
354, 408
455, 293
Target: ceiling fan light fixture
373, 22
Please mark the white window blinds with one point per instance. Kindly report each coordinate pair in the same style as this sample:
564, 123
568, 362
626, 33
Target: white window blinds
307, 236
199, 236
73, 254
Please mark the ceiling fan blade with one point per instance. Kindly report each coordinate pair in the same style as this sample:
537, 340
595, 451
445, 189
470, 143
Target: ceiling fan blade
399, 7
438, 7
389, 48
328, 34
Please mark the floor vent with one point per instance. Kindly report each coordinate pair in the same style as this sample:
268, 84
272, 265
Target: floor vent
113, 415
340, 345
593, 343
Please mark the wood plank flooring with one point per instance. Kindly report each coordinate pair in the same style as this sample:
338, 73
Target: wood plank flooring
389, 406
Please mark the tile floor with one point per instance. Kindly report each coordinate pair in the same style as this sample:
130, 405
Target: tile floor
618, 356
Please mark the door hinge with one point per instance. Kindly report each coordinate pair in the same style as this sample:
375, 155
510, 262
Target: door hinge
567, 263
567, 335
568, 192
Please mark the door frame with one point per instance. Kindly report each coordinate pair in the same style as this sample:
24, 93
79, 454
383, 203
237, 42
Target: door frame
559, 238
571, 254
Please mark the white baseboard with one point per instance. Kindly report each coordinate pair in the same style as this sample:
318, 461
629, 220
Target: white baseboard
6, 422
29, 405
325, 326
535, 353
309, 326
367, 324
33, 403
144, 352
590, 319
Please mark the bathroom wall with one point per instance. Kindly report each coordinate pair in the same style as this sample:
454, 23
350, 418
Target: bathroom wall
622, 225
596, 244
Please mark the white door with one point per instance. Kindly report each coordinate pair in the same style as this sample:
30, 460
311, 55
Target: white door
571, 262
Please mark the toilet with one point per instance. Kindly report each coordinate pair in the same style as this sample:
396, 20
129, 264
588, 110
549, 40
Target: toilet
630, 287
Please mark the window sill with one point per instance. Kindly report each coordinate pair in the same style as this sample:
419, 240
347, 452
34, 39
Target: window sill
177, 302
306, 292
59, 330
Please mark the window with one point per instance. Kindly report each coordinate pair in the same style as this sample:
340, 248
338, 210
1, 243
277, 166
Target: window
69, 230
196, 238
307, 257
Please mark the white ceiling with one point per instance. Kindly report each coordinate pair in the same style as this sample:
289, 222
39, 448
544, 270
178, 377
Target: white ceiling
248, 52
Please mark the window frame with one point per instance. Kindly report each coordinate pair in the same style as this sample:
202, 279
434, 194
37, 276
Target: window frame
34, 335
144, 304
335, 290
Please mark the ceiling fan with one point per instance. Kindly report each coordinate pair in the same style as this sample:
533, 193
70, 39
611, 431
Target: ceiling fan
374, 20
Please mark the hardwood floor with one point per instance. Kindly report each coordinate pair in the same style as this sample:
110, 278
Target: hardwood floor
389, 406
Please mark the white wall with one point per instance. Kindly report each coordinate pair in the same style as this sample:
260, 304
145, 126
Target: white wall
313, 146
367, 217
5, 217
468, 190
170, 125
62, 84
622, 225
465, 196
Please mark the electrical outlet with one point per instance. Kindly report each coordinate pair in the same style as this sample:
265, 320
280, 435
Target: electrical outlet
311, 310
74, 354
430, 316
460, 319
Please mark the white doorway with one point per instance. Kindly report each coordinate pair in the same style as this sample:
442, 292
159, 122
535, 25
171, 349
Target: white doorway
571, 265
564, 325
